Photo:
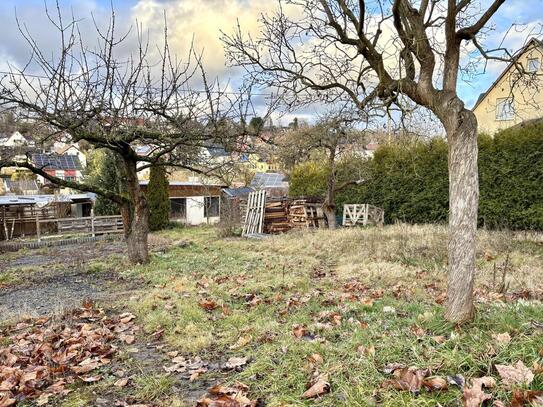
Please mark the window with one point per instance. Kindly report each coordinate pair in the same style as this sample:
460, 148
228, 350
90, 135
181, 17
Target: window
533, 64
211, 206
178, 208
70, 178
505, 109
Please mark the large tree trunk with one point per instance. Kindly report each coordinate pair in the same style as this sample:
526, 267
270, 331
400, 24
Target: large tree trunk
329, 206
135, 218
461, 127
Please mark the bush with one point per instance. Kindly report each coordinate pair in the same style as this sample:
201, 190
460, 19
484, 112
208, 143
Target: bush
158, 198
409, 180
104, 169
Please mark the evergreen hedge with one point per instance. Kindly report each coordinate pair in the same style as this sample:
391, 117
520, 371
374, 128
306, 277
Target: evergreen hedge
410, 180
158, 198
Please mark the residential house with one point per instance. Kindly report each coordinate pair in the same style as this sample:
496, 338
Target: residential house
72, 149
193, 203
16, 139
67, 167
516, 95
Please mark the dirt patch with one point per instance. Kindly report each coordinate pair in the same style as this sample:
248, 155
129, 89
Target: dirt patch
55, 279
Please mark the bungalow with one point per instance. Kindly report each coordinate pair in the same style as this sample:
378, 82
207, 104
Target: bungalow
193, 203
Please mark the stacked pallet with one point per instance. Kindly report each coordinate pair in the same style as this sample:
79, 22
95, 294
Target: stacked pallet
305, 214
276, 216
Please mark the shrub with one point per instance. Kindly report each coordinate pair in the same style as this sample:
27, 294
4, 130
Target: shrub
158, 198
409, 180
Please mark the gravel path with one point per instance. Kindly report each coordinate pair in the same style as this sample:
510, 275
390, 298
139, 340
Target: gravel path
53, 279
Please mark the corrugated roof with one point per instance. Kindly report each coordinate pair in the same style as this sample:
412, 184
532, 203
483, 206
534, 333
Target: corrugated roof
268, 180
234, 192
43, 199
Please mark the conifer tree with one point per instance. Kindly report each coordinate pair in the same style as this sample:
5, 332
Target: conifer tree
158, 198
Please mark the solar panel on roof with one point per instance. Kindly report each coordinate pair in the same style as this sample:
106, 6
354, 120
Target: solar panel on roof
57, 162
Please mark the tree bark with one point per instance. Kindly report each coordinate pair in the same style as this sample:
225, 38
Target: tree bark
135, 218
461, 127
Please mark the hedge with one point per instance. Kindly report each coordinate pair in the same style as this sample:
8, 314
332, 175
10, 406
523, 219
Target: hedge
410, 180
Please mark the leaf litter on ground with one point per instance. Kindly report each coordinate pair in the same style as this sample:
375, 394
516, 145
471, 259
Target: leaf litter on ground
44, 355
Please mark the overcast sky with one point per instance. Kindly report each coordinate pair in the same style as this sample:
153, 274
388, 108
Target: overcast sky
204, 19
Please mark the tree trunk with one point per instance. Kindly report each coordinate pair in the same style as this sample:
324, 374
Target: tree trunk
135, 218
461, 127
329, 206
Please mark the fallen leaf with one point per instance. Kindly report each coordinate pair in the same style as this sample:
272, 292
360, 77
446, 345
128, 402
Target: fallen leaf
241, 342
518, 374
407, 378
208, 305
474, 396
526, 398
435, 383
235, 362
502, 339
439, 339
121, 382
127, 338
315, 359
299, 330
319, 387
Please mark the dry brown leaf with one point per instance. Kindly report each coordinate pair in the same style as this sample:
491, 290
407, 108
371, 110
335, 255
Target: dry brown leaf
407, 378
299, 330
435, 383
242, 341
127, 338
6, 400
527, 397
208, 304
315, 359
319, 387
474, 396
518, 374
235, 362
502, 339
121, 382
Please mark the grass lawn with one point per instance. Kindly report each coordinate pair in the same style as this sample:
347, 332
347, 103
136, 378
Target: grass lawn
357, 300
337, 305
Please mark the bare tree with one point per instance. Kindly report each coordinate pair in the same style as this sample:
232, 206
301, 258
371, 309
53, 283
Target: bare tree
141, 101
376, 54
332, 137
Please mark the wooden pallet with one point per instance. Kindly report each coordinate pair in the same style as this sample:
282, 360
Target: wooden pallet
254, 217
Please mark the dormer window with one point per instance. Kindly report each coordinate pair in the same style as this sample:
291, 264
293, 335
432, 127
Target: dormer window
533, 65
505, 109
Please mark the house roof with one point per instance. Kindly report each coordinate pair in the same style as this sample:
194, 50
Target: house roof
21, 185
185, 184
235, 192
268, 180
56, 161
42, 200
532, 42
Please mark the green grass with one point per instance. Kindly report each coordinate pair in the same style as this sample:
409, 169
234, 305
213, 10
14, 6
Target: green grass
405, 264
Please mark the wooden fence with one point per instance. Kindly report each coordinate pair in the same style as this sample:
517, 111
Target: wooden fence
90, 225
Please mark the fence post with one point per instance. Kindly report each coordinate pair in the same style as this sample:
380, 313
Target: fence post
92, 222
38, 225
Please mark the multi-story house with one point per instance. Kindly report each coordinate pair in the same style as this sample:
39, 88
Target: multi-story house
517, 94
